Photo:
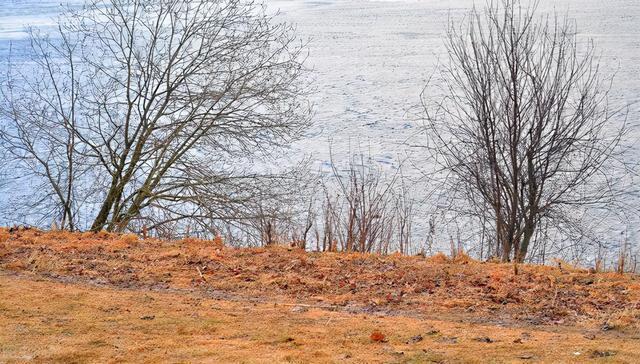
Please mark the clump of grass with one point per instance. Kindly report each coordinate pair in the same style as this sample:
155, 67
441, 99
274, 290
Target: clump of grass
439, 258
628, 319
129, 239
101, 235
40, 262
217, 241
463, 258
4, 235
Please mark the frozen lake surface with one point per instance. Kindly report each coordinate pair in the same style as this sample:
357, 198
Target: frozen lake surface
371, 60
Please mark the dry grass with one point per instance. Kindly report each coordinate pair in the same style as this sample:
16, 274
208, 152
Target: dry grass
4, 235
277, 304
49, 322
364, 282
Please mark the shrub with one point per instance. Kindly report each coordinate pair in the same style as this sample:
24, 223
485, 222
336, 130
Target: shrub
4, 235
129, 238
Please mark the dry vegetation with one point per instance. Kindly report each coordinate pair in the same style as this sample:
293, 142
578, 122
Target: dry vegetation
92, 296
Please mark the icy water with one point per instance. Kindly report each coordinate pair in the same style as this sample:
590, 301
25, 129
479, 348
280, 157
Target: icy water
17, 15
371, 60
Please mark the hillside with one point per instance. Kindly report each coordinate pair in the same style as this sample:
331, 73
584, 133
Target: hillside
88, 297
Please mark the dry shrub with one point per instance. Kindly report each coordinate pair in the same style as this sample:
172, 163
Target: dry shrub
26, 239
59, 235
218, 241
463, 258
88, 235
494, 259
103, 235
170, 254
42, 262
628, 319
191, 241
4, 235
497, 275
565, 266
130, 239
439, 258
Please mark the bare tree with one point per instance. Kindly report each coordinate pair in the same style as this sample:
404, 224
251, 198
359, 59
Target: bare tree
154, 110
404, 212
365, 210
36, 135
523, 130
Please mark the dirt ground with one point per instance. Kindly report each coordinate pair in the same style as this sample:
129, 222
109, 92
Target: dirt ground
110, 298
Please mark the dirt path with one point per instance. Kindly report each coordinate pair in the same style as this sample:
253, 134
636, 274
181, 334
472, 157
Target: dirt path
47, 321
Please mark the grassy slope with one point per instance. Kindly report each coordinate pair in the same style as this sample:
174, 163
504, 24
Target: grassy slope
90, 298
49, 321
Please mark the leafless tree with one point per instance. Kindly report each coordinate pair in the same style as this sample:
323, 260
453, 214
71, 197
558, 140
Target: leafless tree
365, 210
523, 131
404, 212
153, 111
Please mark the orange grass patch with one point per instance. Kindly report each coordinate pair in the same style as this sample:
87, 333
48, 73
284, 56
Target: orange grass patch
44, 321
363, 283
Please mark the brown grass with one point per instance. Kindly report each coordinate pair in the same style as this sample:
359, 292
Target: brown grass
44, 321
364, 282
4, 235
338, 302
